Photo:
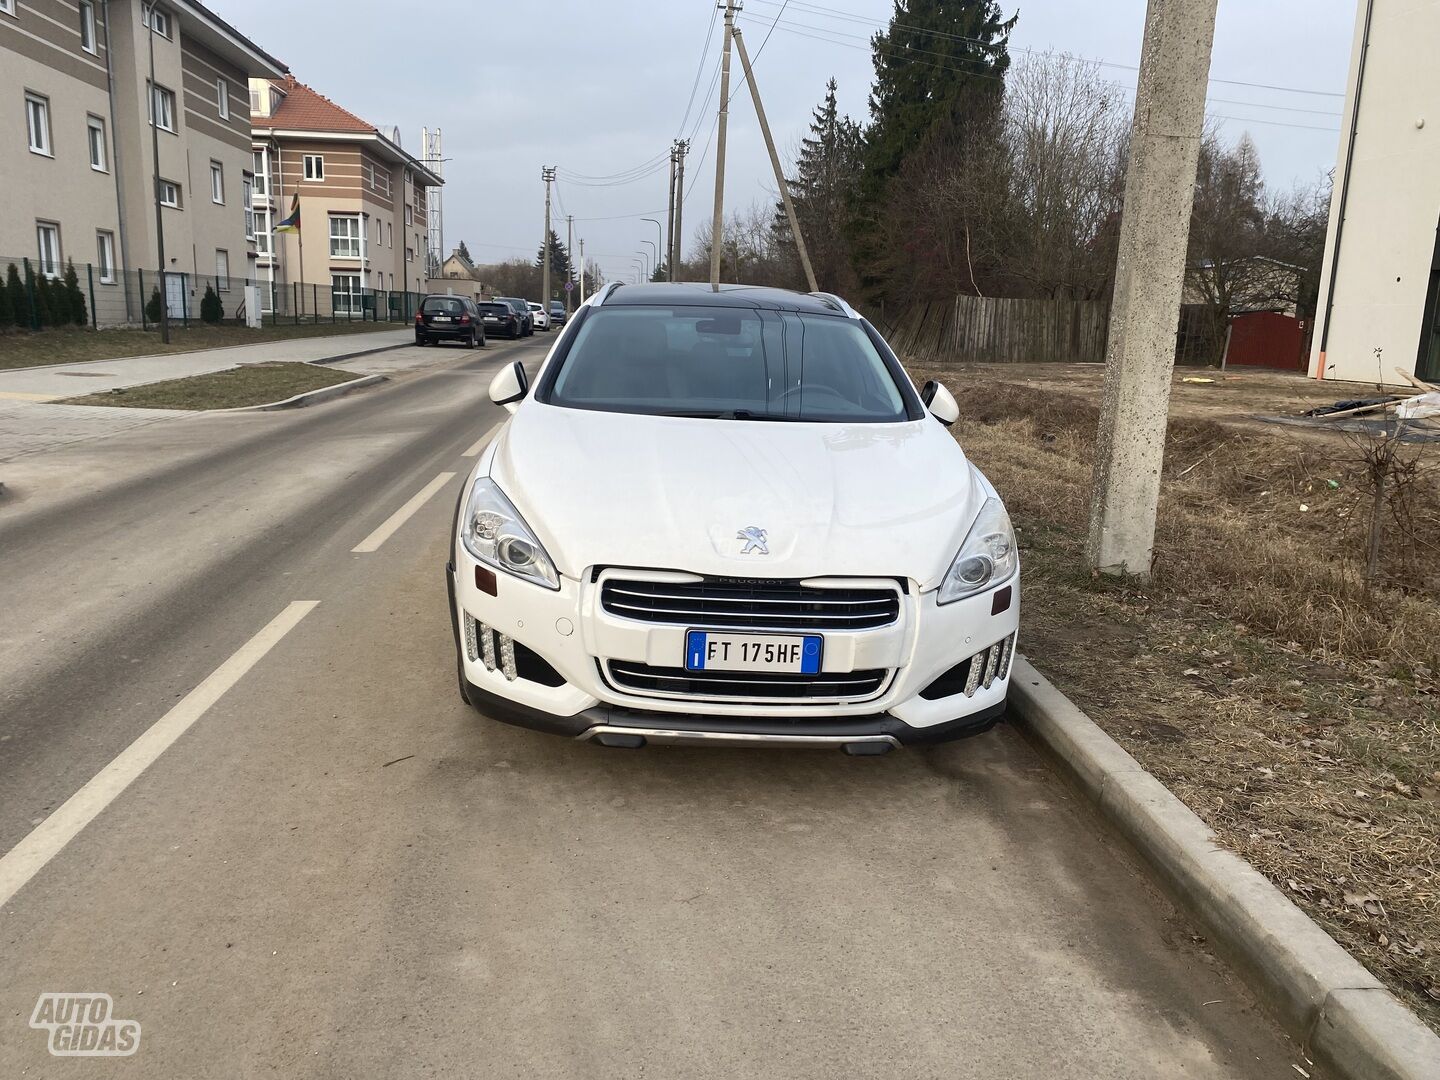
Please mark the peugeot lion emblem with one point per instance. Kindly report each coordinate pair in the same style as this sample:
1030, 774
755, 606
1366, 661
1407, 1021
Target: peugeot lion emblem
755, 540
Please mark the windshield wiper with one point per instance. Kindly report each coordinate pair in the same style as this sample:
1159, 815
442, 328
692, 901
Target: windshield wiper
730, 414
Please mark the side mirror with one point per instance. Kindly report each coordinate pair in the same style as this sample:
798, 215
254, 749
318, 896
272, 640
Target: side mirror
509, 385
940, 402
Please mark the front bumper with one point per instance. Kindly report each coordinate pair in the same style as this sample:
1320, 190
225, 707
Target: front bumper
570, 631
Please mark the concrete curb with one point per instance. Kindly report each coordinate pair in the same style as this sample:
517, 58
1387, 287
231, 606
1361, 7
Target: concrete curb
359, 352
1321, 994
310, 397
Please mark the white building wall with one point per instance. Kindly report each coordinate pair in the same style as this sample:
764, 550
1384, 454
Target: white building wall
1393, 204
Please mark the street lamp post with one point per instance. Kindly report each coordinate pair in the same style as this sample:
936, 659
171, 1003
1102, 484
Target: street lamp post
659, 241
640, 265
655, 257
159, 211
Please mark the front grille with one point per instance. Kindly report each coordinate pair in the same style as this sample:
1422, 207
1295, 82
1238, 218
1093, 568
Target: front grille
677, 682
728, 602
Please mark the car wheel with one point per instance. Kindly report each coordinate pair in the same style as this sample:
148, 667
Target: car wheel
470, 341
420, 339
483, 341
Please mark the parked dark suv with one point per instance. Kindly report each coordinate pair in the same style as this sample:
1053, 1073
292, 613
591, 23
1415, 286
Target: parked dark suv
449, 317
499, 318
522, 309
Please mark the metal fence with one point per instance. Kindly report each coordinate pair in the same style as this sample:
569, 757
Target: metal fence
36, 296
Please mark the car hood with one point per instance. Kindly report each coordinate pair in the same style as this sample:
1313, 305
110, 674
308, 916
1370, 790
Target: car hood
617, 489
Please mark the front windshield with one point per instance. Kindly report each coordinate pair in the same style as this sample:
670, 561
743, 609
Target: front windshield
730, 363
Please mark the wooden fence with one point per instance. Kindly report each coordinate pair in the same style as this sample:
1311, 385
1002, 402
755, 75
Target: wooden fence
998, 330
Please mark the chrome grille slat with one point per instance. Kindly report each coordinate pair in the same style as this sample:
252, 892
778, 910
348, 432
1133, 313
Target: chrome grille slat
749, 599
729, 603
741, 677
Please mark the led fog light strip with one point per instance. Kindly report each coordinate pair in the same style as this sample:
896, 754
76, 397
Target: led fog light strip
487, 643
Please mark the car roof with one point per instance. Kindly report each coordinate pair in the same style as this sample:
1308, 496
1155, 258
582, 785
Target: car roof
701, 294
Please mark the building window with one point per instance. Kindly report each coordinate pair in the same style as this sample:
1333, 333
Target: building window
262, 232
389, 236
217, 183
222, 98
37, 120
255, 103
162, 107
170, 194
345, 293
105, 257
95, 132
87, 26
344, 237
7, 6
262, 174
409, 254
314, 167
157, 19
222, 271
47, 238
248, 194
409, 215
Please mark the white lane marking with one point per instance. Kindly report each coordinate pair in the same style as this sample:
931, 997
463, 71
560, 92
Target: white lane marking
480, 442
395, 520
46, 840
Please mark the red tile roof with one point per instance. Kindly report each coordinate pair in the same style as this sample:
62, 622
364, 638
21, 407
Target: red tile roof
305, 110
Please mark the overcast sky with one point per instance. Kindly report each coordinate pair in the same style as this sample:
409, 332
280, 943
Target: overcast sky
599, 89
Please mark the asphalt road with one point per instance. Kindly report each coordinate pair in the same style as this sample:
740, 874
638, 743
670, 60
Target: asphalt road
332, 868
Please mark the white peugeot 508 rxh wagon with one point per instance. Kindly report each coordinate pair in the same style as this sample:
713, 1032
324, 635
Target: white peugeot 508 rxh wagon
726, 516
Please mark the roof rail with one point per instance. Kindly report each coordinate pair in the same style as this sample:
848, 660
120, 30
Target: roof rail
835, 302
604, 293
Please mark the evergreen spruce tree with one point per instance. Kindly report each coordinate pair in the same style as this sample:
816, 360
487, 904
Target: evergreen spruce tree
211, 310
939, 77
464, 252
152, 308
44, 301
19, 299
7, 306
559, 261
823, 191
75, 296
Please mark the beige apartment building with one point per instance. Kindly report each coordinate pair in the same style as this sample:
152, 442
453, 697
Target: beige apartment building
79, 164
361, 202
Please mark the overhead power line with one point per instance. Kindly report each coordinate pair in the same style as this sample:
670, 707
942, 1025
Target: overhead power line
822, 11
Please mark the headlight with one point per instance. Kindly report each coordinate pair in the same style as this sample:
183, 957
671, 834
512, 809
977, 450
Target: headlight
987, 556
495, 533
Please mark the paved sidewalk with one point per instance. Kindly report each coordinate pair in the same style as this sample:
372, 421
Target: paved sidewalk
28, 428
96, 376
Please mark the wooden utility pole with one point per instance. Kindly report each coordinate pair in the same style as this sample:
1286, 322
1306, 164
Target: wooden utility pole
717, 221
569, 260
775, 160
1149, 276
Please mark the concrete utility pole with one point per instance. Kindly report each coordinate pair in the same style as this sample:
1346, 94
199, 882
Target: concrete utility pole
569, 259
547, 173
681, 149
717, 222
1149, 276
670, 219
582, 270
775, 160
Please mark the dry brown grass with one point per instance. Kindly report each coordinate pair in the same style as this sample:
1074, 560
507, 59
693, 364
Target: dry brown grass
1253, 675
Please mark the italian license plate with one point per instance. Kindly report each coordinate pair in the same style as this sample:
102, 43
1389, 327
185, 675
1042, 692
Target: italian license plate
712, 650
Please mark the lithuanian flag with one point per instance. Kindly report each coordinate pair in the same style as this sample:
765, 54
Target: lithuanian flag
291, 223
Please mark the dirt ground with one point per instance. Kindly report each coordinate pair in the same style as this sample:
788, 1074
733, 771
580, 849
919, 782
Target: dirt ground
1291, 708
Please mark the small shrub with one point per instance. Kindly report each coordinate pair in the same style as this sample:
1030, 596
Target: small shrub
44, 301
7, 306
211, 310
75, 296
152, 307
19, 302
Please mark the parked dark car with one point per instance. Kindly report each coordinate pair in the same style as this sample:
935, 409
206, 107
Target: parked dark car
522, 309
500, 318
557, 313
453, 318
